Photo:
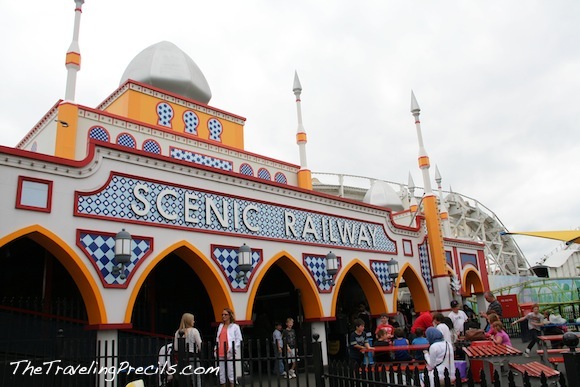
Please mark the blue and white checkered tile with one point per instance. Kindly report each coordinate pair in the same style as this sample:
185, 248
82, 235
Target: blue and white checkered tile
126, 140
99, 133
151, 147
316, 265
191, 122
101, 249
164, 114
227, 258
246, 169
215, 129
425, 266
197, 158
264, 174
279, 177
381, 271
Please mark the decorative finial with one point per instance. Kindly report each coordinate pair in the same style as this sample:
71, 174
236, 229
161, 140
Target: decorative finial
415, 109
411, 183
437, 177
297, 86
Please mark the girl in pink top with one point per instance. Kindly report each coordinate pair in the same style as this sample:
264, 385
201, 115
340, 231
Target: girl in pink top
500, 336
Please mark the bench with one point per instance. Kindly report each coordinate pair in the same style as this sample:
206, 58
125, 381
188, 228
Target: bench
552, 351
534, 369
555, 360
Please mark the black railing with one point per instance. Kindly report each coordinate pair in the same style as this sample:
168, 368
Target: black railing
59, 361
342, 374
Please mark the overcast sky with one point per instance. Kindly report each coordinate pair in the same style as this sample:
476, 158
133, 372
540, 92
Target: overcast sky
498, 83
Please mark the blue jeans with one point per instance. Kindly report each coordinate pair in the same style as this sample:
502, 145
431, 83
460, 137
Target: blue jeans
280, 361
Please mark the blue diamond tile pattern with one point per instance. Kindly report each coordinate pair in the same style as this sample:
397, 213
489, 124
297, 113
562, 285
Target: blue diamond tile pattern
425, 265
227, 258
198, 158
381, 271
191, 121
215, 129
264, 174
126, 140
99, 133
149, 202
151, 147
246, 169
164, 114
279, 177
316, 265
100, 248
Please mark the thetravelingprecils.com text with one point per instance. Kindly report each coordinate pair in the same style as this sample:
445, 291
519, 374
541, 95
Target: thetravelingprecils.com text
55, 367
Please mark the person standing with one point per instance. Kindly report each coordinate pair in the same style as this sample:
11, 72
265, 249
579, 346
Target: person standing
424, 321
385, 326
439, 356
192, 343
279, 347
535, 322
356, 342
493, 307
442, 327
458, 318
289, 336
229, 344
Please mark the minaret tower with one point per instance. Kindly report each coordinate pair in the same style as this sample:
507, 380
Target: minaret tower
304, 175
442, 206
441, 280
412, 200
73, 55
66, 123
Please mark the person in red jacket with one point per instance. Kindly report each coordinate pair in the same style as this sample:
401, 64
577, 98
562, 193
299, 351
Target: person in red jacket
424, 321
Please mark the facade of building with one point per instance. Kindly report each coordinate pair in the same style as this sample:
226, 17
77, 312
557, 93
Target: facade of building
154, 159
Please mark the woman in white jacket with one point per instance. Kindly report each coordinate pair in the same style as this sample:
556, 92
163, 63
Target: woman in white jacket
228, 347
440, 356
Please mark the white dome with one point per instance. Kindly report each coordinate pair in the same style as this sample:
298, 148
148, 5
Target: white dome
383, 195
167, 67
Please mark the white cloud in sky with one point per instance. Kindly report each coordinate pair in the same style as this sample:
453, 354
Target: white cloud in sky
498, 84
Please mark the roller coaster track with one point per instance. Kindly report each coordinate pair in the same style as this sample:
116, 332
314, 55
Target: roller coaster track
469, 218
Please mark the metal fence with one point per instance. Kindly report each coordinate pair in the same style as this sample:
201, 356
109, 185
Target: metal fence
62, 362
341, 374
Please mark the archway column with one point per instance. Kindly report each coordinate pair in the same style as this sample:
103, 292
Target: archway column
107, 356
442, 292
319, 328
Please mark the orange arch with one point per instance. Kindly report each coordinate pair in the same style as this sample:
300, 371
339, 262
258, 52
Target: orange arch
299, 277
416, 286
211, 278
369, 284
75, 266
471, 277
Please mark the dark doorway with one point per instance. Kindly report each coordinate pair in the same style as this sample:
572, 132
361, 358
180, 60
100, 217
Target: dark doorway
171, 289
276, 300
350, 296
38, 297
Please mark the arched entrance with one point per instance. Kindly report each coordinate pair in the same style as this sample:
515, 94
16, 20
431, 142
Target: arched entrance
356, 287
180, 279
471, 283
416, 286
39, 295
